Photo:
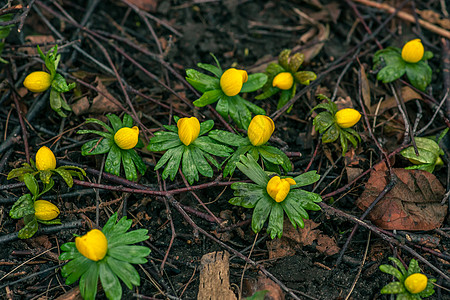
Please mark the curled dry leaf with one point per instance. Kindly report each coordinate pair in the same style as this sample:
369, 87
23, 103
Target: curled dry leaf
412, 204
407, 94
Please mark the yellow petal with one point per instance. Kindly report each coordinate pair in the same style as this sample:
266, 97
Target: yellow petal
413, 51
127, 138
290, 180
283, 190
347, 117
416, 283
188, 130
273, 186
232, 80
44, 210
45, 159
37, 82
260, 130
93, 245
283, 81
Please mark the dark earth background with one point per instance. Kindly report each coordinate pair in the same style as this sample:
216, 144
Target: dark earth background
244, 34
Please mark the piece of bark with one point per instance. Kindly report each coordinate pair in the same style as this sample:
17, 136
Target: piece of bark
73, 294
215, 277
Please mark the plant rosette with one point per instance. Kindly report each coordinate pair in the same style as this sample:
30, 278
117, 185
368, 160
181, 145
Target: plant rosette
106, 255
4, 32
411, 284
429, 153
119, 142
259, 132
40, 81
184, 143
334, 124
284, 76
45, 167
224, 89
394, 62
271, 196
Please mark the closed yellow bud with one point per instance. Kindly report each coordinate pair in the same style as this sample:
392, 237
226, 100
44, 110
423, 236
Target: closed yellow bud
45, 159
232, 80
260, 130
188, 130
413, 51
37, 82
126, 137
347, 117
45, 211
278, 188
283, 81
416, 283
92, 245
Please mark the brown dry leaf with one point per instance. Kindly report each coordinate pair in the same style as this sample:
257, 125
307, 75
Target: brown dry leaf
317, 41
365, 88
147, 5
294, 239
352, 163
407, 93
434, 17
412, 204
344, 102
41, 40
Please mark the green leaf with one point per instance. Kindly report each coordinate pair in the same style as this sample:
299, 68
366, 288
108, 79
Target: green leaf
206, 126
140, 165
22, 207
127, 120
260, 213
305, 77
253, 107
208, 97
306, 179
275, 227
413, 267
101, 123
131, 254
31, 183
213, 69
94, 147
174, 162
211, 160
19, 172
202, 82
270, 91
128, 165
45, 176
128, 238
121, 227
163, 136
344, 142
247, 194
109, 225
59, 84
75, 268
65, 176
200, 162
235, 158
56, 102
169, 153
162, 146
30, 228
252, 170
399, 265
125, 271
387, 56
419, 74
115, 122
329, 106
296, 61
222, 106
113, 160
393, 288
392, 271
228, 138
110, 282
349, 137
392, 72
69, 252
427, 55
100, 133
429, 290
283, 58
331, 134
285, 96
50, 222
254, 82
323, 121
210, 146
280, 156
259, 295
188, 166
88, 282
294, 212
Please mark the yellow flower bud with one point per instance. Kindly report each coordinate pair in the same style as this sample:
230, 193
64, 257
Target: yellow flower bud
45, 211
92, 245
232, 80
188, 130
347, 117
416, 283
283, 81
260, 129
45, 159
413, 51
37, 82
278, 188
126, 137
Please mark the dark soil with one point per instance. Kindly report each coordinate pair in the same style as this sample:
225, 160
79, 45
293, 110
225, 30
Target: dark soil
246, 34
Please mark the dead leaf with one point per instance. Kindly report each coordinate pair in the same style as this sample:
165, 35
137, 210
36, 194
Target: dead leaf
147, 5
407, 93
41, 40
434, 17
293, 239
251, 286
412, 204
365, 88
344, 102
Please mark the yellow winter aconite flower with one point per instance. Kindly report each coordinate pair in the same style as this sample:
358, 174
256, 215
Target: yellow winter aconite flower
45, 211
126, 138
232, 80
260, 130
45, 159
416, 283
37, 82
413, 51
283, 81
278, 188
92, 245
188, 130
347, 117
